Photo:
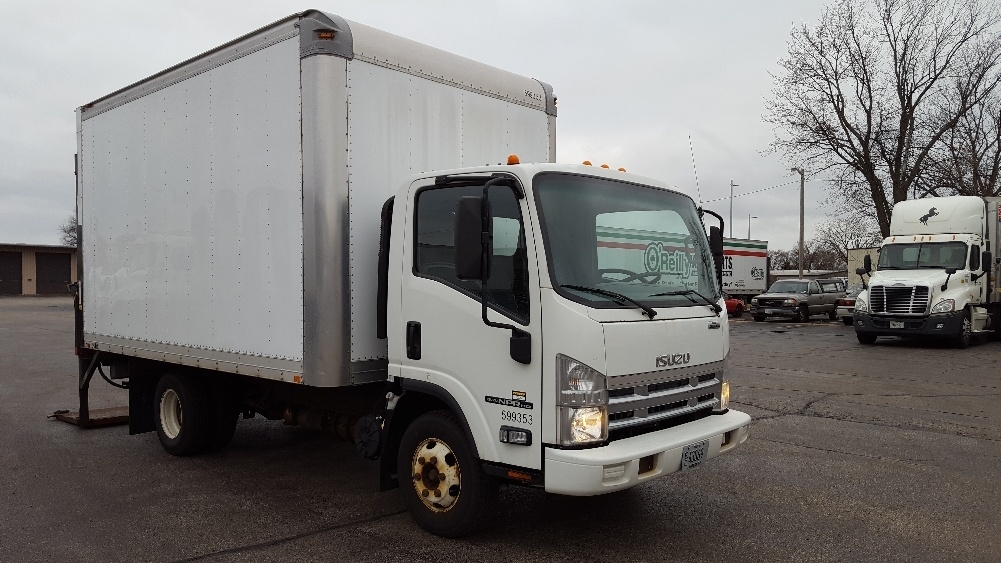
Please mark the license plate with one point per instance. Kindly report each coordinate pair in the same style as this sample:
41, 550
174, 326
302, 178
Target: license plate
896, 324
771, 311
694, 454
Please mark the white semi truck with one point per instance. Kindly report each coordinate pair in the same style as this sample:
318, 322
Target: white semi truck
937, 276
300, 224
745, 267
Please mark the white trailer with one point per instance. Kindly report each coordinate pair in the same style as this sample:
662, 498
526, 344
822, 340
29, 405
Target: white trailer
937, 275
288, 225
745, 267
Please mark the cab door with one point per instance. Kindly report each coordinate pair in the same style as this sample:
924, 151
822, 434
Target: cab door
446, 343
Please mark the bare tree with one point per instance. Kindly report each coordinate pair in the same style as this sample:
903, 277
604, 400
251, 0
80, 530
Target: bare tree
839, 234
816, 256
870, 91
968, 161
67, 231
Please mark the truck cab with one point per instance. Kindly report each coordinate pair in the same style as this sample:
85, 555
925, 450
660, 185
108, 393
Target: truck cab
934, 277
563, 369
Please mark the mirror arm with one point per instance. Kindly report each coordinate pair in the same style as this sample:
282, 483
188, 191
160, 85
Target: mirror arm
521, 341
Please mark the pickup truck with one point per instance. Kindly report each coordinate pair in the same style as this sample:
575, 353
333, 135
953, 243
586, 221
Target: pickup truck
798, 299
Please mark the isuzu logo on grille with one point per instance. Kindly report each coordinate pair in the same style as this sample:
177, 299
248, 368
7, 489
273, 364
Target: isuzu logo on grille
668, 360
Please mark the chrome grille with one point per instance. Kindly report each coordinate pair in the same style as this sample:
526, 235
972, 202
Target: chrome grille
898, 300
655, 397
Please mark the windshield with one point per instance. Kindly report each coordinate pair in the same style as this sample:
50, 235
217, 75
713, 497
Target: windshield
636, 241
786, 286
919, 255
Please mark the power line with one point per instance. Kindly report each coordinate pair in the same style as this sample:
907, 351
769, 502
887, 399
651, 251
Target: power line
750, 192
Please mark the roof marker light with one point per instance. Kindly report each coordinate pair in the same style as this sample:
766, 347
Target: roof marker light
622, 169
586, 163
605, 166
513, 159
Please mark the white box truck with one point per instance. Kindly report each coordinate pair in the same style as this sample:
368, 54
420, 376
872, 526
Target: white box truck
307, 224
937, 276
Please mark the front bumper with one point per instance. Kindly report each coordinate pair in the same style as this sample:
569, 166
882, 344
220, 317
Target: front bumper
781, 311
614, 467
939, 324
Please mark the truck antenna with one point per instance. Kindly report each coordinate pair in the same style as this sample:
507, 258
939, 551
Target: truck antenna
696, 170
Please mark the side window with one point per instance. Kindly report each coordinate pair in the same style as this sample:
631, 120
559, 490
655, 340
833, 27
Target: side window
974, 258
434, 252
814, 287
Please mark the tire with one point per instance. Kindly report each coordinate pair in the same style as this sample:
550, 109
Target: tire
738, 312
848, 321
437, 460
758, 318
182, 414
832, 314
962, 340
802, 315
865, 338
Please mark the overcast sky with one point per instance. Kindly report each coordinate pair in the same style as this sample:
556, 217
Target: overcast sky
634, 79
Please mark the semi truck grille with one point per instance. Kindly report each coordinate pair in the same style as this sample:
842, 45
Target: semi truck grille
898, 300
646, 402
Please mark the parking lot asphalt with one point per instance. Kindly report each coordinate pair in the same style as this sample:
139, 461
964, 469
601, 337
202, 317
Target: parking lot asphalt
888, 452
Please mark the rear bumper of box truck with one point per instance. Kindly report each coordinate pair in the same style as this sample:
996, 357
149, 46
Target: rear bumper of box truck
625, 463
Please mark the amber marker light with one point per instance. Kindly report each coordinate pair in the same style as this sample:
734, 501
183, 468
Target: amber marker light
324, 34
605, 166
586, 163
513, 159
622, 169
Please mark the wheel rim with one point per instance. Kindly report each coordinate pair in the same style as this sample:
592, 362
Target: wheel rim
435, 473
170, 413
967, 329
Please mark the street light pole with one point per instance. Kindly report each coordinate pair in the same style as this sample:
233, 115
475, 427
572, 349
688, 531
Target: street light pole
749, 217
802, 181
732, 186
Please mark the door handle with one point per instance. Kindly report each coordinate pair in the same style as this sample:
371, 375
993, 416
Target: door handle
413, 340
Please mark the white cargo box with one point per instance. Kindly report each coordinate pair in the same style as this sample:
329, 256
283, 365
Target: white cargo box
230, 205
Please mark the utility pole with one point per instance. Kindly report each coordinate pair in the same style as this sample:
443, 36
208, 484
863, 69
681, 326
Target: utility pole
749, 217
732, 186
802, 181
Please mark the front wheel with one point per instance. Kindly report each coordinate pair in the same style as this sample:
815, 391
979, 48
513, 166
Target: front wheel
962, 340
802, 315
758, 318
864, 338
443, 484
847, 320
738, 312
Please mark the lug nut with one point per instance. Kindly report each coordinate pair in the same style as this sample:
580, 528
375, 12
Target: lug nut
434, 461
417, 476
424, 493
421, 461
437, 493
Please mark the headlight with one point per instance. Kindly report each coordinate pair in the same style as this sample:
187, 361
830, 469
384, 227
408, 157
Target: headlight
724, 397
583, 399
791, 302
861, 306
944, 306
724, 392
754, 301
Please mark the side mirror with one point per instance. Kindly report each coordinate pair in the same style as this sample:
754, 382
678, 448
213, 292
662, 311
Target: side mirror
867, 264
950, 271
472, 225
716, 246
861, 271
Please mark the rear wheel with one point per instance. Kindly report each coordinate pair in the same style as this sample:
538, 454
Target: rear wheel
443, 484
738, 312
832, 314
182, 414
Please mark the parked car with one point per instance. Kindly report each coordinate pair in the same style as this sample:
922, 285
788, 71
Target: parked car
846, 305
734, 306
798, 299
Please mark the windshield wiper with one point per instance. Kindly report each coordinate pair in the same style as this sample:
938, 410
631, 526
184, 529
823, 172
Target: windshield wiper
689, 293
617, 297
